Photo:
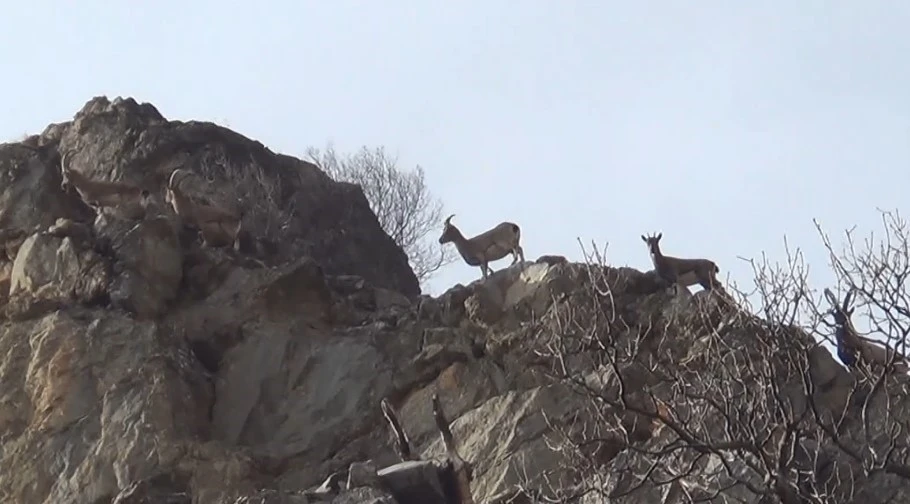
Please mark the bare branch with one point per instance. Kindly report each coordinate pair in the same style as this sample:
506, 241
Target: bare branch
402, 202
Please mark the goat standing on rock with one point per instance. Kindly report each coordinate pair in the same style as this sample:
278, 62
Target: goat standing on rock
685, 272
851, 346
218, 227
100, 194
488, 246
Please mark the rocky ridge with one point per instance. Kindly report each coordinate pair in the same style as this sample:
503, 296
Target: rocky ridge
137, 367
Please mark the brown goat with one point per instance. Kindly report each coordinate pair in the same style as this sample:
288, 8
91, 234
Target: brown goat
488, 246
101, 194
676, 271
218, 227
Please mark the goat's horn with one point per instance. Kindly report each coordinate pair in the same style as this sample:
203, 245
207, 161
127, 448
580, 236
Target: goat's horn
173, 179
449, 218
830, 296
63, 161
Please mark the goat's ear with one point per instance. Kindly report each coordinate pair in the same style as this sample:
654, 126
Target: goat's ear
659, 236
644, 239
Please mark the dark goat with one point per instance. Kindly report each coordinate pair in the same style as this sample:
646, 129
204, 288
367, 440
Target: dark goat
415, 481
676, 271
851, 347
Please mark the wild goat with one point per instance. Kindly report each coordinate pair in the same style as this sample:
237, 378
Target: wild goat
851, 346
417, 481
488, 246
676, 271
130, 200
218, 227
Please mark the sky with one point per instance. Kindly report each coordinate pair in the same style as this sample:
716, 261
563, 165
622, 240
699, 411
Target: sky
724, 125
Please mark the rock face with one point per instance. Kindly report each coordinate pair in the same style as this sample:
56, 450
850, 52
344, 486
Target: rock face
286, 201
137, 367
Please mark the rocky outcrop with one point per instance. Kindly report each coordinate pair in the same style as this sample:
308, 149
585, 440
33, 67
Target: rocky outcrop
136, 366
286, 201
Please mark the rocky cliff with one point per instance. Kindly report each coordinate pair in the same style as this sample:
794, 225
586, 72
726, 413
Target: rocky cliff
139, 367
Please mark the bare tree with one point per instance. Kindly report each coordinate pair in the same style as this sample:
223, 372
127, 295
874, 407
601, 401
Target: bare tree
406, 209
698, 399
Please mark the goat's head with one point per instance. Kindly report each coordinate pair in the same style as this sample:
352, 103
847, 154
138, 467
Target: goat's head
449, 231
653, 242
173, 183
841, 312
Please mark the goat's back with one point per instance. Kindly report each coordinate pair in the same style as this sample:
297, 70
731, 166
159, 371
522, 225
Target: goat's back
685, 265
509, 232
415, 482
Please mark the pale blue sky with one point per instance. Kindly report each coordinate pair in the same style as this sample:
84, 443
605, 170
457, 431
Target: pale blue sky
725, 125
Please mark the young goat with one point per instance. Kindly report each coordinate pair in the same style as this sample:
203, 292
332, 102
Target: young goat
685, 272
100, 194
218, 227
851, 346
488, 246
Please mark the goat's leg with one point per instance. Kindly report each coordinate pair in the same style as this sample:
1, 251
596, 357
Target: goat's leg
671, 278
706, 284
707, 280
517, 254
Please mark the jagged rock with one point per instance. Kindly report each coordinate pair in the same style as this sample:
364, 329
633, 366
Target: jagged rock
485, 305
364, 495
161, 489
289, 202
55, 270
150, 268
361, 474
86, 418
30, 193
